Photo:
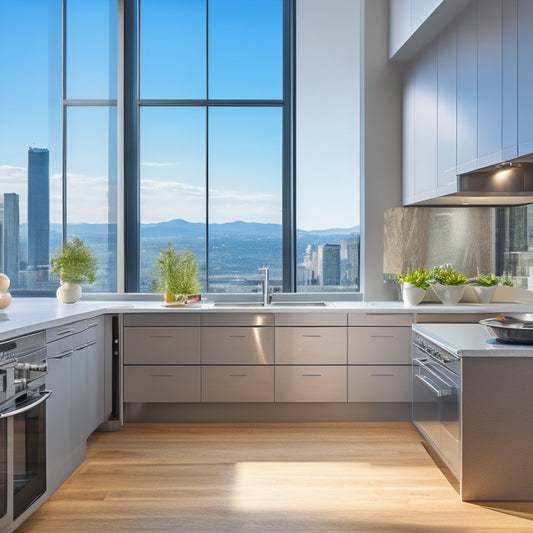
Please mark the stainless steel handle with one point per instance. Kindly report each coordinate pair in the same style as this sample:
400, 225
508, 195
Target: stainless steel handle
162, 375
311, 375
44, 395
427, 368
313, 336
382, 336
432, 387
160, 336
237, 336
65, 332
382, 375
239, 375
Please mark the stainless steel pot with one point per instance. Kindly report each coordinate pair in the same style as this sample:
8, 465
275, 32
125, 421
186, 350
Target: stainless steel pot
515, 328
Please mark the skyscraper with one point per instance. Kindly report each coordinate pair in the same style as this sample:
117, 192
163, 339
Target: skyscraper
38, 209
11, 238
329, 264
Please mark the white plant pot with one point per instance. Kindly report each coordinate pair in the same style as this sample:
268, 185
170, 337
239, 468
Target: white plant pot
68, 293
484, 294
448, 294
412, 295
5, 300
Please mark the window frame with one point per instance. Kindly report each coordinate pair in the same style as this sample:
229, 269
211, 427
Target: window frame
132, 106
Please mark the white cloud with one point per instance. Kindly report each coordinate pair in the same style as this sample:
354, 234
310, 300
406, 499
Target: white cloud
156, 164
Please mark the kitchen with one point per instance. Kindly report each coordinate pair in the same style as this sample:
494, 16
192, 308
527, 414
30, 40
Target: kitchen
382, 102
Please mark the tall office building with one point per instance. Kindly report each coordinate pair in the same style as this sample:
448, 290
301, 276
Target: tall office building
329, 264
11, 238
38, 209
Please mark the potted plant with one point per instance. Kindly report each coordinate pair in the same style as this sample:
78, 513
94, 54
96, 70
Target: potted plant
448, 284
177, 274
76, 266
415, 283
484, 286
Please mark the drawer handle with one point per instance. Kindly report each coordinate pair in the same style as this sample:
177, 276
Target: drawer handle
313, 336
382, 336
382, 375
65, 332
162, 375
239, 375
62, 355
160, 336
237, 336
311, 375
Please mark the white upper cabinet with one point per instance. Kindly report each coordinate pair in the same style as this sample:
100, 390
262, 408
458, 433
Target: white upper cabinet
467, 91
447, 112
467, 98
525, 77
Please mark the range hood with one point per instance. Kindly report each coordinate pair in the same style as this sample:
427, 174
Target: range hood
509, 183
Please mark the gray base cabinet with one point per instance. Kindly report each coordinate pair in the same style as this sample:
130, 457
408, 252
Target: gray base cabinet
76, 407
311, 383
238, 384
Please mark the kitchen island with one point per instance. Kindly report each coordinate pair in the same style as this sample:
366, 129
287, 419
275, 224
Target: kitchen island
495, 422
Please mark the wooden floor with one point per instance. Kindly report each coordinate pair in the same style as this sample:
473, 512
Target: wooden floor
321, 477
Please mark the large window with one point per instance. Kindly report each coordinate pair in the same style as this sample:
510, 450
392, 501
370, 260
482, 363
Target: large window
135, 123
212, 141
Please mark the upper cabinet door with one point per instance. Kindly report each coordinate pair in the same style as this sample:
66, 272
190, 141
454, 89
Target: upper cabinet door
525, 77
447, 108
425, 126
509, 80
408, 159
467, 90
489, 82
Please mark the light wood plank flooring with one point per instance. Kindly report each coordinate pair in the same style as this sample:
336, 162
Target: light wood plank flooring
312, 477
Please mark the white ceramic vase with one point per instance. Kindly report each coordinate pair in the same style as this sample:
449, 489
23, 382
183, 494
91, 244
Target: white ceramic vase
484, 294
448, 294
412, 295
68, 293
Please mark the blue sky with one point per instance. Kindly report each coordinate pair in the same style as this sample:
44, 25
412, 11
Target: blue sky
244, 144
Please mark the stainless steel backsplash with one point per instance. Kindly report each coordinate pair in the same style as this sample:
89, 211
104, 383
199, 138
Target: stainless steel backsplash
423, 237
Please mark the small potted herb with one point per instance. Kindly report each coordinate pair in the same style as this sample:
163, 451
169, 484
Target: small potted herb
177, 275
76, 266
484, 286
448, 284
415, 283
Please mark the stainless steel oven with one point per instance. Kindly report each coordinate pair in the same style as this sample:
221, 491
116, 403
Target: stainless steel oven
23, 395
437, 398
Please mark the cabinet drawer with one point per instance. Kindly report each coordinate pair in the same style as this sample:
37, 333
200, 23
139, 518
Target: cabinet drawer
378, 346
170, 346
238, 346
311, 319
161, 384
238, 384
310, 384
380, 319
379, 383
60, 347
311, 346
59, 332
169, 319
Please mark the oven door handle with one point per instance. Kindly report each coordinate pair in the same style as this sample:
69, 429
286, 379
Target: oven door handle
44, 395
434, 388
443, 379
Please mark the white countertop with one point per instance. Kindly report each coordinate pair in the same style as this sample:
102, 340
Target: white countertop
26, 315
471, 340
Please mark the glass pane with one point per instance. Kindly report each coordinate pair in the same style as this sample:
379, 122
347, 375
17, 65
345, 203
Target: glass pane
172, 185
245, 191
91, 58
91, 187
30, 141
246, 49
172, 49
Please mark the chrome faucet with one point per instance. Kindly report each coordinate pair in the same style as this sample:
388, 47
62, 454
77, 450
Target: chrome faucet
267, 297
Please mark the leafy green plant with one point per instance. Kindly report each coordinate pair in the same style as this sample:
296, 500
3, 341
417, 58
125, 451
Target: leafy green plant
177, 272
483, 280
446, 275
75, 263
506, 281
417, 278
